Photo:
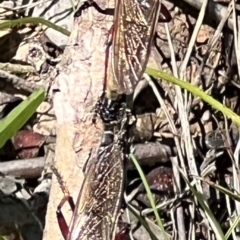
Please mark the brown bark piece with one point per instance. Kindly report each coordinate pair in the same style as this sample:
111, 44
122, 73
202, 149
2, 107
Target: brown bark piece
79, 85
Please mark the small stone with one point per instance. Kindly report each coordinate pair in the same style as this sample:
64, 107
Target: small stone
44, 107
206, 116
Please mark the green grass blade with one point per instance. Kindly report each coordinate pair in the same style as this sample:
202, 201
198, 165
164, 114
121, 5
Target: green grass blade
20, 115
33, 20
149, 194
230, 194
230, 230
197, 92
212, 220
225, 191
142, 221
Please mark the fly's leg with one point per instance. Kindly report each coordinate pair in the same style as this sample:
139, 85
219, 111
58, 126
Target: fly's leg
67, 198
91, 3
124, 231
167, 16
110, 11
122, 235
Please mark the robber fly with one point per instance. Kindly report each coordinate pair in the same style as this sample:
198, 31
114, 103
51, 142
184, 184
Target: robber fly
99, 201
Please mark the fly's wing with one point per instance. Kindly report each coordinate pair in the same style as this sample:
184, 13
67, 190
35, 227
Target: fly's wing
99, 200
134, 27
